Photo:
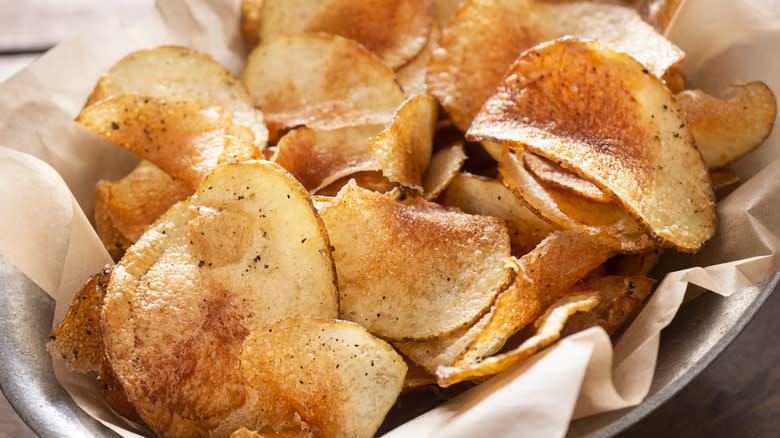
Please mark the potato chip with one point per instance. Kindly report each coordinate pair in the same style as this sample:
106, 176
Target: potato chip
395, 261
443, 168
114, 393
543, 275
659, 13
318, 157
321, 81
251, 19
371, 180
674, 80
247, 249
337, 377
169, 71
724, 180
403, 149
183, 137
619, 300
549, 327
479, 195
138, 199
416, 377
113, 240
602, 115
551, 174
486, 36
393, 30
411, 77
609, 222
77, 338
726, 130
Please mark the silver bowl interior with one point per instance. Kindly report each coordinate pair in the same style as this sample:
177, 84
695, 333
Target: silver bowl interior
699, 333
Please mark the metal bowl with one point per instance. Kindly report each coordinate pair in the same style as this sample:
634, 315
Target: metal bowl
699, 333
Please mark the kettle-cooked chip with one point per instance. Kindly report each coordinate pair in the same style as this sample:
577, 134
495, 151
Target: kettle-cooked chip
443, 168
550, 173
567, 210
337, 377
602, 115
321, 81
182, 136
247, 249
403, 149
170, 71
726, 130
485, 36
396, 262
319, 157
411, 77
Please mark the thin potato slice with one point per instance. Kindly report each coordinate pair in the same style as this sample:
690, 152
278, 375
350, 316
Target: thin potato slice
77, 338
443, 168
396, 262
479, 195
543, 275
137, 200
620, 299
403, 149
550, 173
247, 249
726, 130
114, 241
485, 36
318, 157
184, 137
601, 114
411, 77
337, 377
724, 180
169, 71
393, 30
549, 327
370, 180
321, 81
567, 210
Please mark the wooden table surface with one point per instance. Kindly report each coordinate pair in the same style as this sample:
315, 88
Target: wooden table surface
737, 396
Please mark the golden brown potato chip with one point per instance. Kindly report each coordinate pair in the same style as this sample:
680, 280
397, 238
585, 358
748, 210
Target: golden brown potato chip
113, 392
675, 80
417, 377
318, 157
724, 181
485, 36
337, 377
77, 338
396, 262
403, 149
321, 81
609, 222
443, 168
726, 130
183, 137
601, 114
114, 241
549, 327
543, 275
619, 300
479, 195
169, 71
411, 77
371, 180
551, 174
137, 200
393, 30
247, 249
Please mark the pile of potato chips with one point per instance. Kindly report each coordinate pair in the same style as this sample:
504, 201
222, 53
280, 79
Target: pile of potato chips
393, 194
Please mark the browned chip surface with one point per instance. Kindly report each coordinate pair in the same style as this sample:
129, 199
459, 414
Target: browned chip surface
601, 114
548, 172
443, 168
396, 262
112, 238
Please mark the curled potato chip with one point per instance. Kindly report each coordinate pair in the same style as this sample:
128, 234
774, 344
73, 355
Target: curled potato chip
549, 327
601, 114
247, 249
138, 199
485, 37
443, 168
170, 71
396, 260
318, 157
183, 137
370, 180
479, 195
113, 240
550, 173
411, 77
726, 130
337, 377
77, 338
724, 180
321, 81
403, 149
567, 210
